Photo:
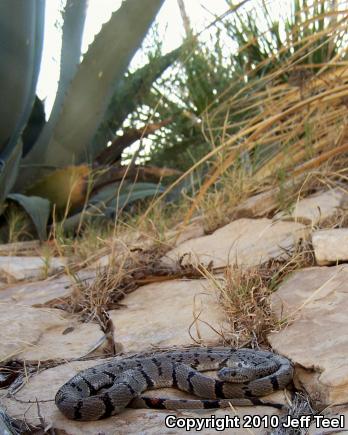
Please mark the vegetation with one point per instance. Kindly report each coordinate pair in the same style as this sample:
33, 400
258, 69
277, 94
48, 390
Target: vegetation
283, 113
236, 112
47, 180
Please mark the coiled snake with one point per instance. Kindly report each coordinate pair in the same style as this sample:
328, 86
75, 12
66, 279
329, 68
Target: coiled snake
106, 389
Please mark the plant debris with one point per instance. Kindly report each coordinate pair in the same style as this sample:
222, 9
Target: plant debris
92, 299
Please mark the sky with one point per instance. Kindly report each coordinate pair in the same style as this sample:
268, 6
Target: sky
200, 12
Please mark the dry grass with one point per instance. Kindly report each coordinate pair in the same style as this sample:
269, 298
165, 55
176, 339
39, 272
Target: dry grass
294, 117
100, 236
158, 224
218, 204
18, 225
92, 298
94, 237
245, 299
245, 295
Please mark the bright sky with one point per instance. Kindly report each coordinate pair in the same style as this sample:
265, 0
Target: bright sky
200, 12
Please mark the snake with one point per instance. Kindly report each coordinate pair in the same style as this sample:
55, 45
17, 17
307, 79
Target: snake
244, 375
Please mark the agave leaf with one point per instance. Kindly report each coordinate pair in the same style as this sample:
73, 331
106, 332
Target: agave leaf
94, 82
108, 201
132, 193
74, 18
8, 172
143, 187
37, 208
128, 193
35, 125
21, 30
74, 15
129, 94
104, 194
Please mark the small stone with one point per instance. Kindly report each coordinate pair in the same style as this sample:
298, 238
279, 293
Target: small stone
330, 246
315, 208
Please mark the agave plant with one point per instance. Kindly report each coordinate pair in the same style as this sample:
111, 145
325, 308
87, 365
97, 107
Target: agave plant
21, 36
61, 167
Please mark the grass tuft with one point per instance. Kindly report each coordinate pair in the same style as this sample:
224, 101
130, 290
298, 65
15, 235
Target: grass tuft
245, 295
245, 299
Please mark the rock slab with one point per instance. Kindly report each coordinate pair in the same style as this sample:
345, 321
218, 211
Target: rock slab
39, 334
13, 268
315, 303
44, 291
169, 313
315, 208
245, 242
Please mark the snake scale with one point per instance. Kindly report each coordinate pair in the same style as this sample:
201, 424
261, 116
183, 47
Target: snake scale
106, 389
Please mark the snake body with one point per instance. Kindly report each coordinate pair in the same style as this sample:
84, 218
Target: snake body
106, 389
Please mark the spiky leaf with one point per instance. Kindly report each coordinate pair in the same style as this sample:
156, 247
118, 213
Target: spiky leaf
93, 85
8, 171
21, 30
37, 208
130, 93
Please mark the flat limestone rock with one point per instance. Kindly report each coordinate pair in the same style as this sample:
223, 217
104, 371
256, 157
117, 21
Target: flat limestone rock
315, 208
330, 246
315, 301
168, 314
14, 268
41, 292
145, 421
19, 247
36, 292
28, 333
243, 241
191, 231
